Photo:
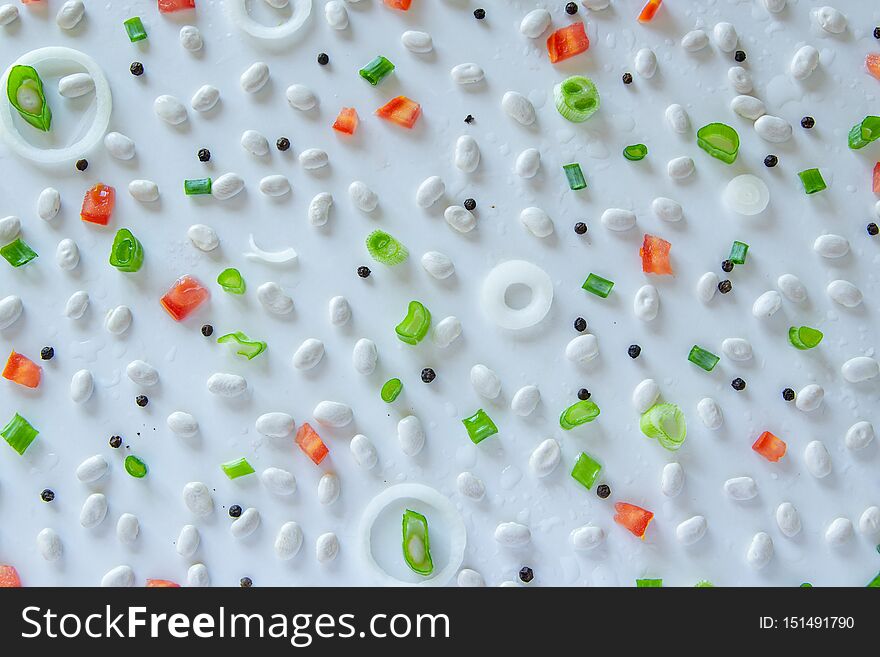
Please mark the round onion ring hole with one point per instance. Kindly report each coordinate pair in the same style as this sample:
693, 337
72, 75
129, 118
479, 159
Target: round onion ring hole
517, 294
266, 23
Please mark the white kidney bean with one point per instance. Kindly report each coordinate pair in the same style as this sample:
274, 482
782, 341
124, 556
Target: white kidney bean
203, 237
725, 36
308, 354
817, 459
470, 486
839, 532
204, 99
618, 219
119, 146
118, 320
582, 349
188, 541
710, 413
336, 15
183, 424
11, 308
364, 356
707, 285
190, 38
773, 129
169, 109
275, 185
328, 488
791, 286
740, 79
645, 63
741, 488
738, 349
145, 191
512, 534
275, 425
254, 143
691, 530
467, 153
869, 522
596, 5
830, 19
326, 547
586, 537
49, 545
545, 457
468, 578
760, 551
534, 23
364, 198
227, 186
536, 221
127, 528
10, 227
119, 577
525, 400
142, 373
831, 246
416, 41
313, 158
319, 209
859, 435
198, 499
430, 190
446, 331
364, 452
518, 107
459, 218
844, 293
695, 40
48, 203
246, 524
93, 511
92, 469
197, 576
339, 310
671, 479
439, 265
859, 369
288, 541
804, 62
333, 414
677, 118
301, 97
76, 305
485, 381
680, 168
788, 519
410, 435
645, 395
67, 254
82, 385
274, 299
254, 77
646, 303
468, 73
70, 14
8, 14
226, 385
810, 397
767, 304
76, 85
748, 107
527, 163
278, 481
667, 209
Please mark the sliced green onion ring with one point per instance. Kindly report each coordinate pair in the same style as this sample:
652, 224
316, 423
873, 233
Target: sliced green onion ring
666, 424
576, 98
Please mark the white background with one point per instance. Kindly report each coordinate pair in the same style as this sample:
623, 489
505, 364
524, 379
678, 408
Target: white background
393, 161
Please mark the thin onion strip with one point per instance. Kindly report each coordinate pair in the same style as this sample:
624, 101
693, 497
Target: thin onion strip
275, 257
239, 16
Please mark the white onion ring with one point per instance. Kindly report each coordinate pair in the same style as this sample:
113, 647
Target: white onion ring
275, 257
241, 18
747, 195
511, 273
431, 497
95, 133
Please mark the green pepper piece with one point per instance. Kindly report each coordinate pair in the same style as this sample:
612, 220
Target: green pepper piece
635, 152
24, 88
386, 249
812, 180
231, 281
575, 176
195, 186
649, 583
414, 326
377, 70
19, 433
576, 98
135, 466
720, 141
248, 348
702, 358
479, 426
874, 583
665, 423
127, 253
237, 468
597, 285
417, 543
134, 27
804, 337
391, 390
586, 470
18, 253
865, 132
578, 413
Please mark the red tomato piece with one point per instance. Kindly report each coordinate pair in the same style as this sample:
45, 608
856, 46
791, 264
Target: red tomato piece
98, 204
769, 446
655, 255
347, 121
872, 63
403, 5
567, 42
648, 11
634, 518
310, 442
184, 297
169, 6
22, 370
400, 110
876, 182
162, 584
9, 578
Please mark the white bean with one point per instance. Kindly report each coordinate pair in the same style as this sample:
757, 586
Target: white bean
645, 63
339, 310
326, 547
788, 519
313, 158
467, 153
468, 73
536, 221
710, 413
773, 129
364, 198
319, 209
141, 373
810, 397
471, 486
741, 488
667, 209
205, 98
596, 5
707, 286
804, 62
10, 310
817, 459
183, 424
446, 331
301, 97
859, 435
527, 163
275, 185
738, 349
254, 77
468, 578
118, 320
364, 452
82, 385
67, 254
695, 40
76, 305
275, 425
767, 304
485, 381
840, 531
860, 369
740, 79
49, 545
830, 19
92, 469
48, 203
308, 354
760, 551
617, 219
127, 528
869, 522
831, 246
677, 118
545, 457
227, 186
70, 14
844, 293
680, 168
198, 499
582, 349
203, 237
119, 577
254, 143
333, 414
586, 537
328, 488
410, 435
10, 227
197, 576
226, 385
93, 511
525, 400
364, 356
748, 107
169, 109
645, 395
336, 15
416, 41
246, 524
439, 265
672, 479
725, 36
691, 530
512, 534
646, 303
460, 218
188, 541
76, 85
534, 23
288, 541
274, 299
278, 481
119, 146
145, 191
430, 191
774, 6
8, 14
190, 38
791, 286
518, 107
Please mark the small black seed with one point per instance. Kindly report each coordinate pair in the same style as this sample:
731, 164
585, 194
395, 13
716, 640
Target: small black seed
136, 68
428, 375
873, 229
788, 394
808, 122
204, 155
115, 442
580, 324
82, 165
583, 394
738, 384
627, 78
634, 351
571, 8
207, 330
141, 400
526, 574
246, 582
282, 144
877, 32
580, 228
469, 118
479, 14
771, 161
234, 511
47, 495
323, 59
739, 56
727, 265
47, 353
603, 491
363, 272
470, 204
725, 286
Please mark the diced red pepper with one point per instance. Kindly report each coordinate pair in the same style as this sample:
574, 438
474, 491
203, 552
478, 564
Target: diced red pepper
9, 578
170, 6
634, 518
347, 121
648, 11
655, 255
184, 297
400, 110
876, 182
162, 584
98, 204
872, 63
769, 446
567, 42
22, 370
403, 5
310, 442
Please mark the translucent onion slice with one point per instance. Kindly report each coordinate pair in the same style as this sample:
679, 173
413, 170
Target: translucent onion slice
517, 272
239, 16
747, 195
275, 257
41, 59
441, 513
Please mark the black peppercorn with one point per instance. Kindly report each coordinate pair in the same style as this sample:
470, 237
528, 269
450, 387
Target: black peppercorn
47, 495
580, 228
204, 155
634, 351
115, 442
428, 375
603, 491
739, 56
627, 78
282, 144
580, 324
479, 14
207, 330
470, 204
877, 32
526, 574
246, 582
469, 118
583, 394
47, 353
82, 165
323, 59
873, 229
808, 122
727, 265
738, 384
136, 68
788, 394
725, 286
234, 511
771, 161
141, 400
363, 272
571, 8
